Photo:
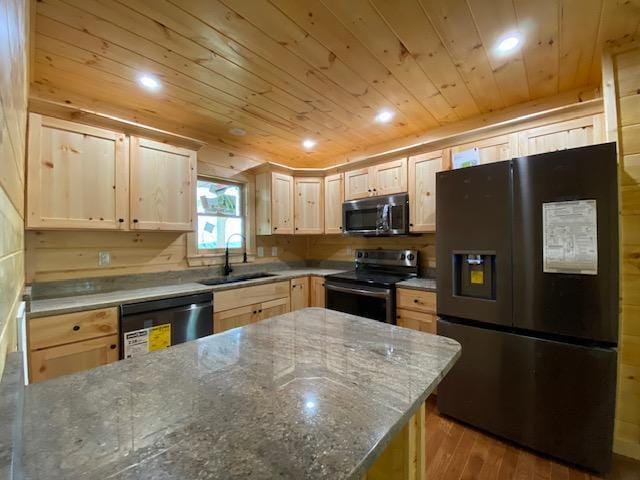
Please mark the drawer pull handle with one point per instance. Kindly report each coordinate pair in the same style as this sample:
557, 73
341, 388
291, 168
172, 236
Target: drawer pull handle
113, 346
76, 328
415, 300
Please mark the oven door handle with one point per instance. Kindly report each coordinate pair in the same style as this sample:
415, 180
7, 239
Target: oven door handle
359, 291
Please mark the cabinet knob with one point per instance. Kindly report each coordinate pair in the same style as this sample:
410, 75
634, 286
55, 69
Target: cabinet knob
369, 190
135, 220
411, 224
255, 311
121, 220
296, 228
113, 346
415, 300
76, 328
275, 228
260, 311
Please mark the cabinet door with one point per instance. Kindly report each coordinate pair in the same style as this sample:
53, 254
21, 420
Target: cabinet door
299, 293
309, 211
333, 198
52, 362
282, 203
357, 184
422, 191
163, 182
317, 296
390, 177
494, 149
78, 176
238, 317
580, 132
423, 322
273, 308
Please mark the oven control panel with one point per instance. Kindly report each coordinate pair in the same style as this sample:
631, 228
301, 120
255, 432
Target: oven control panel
399, 258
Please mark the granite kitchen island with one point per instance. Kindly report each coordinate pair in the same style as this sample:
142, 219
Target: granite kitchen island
312, 394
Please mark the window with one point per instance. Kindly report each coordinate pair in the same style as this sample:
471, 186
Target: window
220, 214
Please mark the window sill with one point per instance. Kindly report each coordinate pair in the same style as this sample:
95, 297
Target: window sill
207, 259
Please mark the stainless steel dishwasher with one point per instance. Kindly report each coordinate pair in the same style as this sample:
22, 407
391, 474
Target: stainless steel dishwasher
149, 326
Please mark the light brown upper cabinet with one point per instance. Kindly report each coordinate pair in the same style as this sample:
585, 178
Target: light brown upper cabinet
382, 179
274, 203
494, 149
77, 176
163, 182
333, 198
308, 208
580, 132
357, 183
83, 177
422, 190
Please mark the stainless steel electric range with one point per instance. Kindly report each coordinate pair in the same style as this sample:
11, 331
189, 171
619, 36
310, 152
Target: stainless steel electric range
370, 290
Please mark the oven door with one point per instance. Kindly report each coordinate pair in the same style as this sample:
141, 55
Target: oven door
376, 303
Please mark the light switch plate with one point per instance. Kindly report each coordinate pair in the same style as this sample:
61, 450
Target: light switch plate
261, 251
104, 259
274, 251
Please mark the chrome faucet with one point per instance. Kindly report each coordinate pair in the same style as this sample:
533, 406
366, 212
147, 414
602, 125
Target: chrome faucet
227, 267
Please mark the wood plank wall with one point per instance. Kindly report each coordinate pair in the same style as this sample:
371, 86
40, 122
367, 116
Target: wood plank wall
13, 110
59, 255
339, 248
626, 72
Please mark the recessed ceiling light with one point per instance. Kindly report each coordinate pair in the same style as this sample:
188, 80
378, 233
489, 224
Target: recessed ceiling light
308, 144
149, 82
508, 43
237, 131
384, 116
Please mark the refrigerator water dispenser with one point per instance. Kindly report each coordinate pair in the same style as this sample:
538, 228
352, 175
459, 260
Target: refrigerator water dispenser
474, 274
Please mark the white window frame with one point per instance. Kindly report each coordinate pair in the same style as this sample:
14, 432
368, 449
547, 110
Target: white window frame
200, 252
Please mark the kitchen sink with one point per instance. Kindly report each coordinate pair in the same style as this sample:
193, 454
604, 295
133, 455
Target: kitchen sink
236, 278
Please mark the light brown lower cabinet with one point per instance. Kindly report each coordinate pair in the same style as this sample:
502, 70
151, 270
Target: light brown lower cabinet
74, 357
70, 343
317, 296
424, 322
299, 293
416, 309
241, 316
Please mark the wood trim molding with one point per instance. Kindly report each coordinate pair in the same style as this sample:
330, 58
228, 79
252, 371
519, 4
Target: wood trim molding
497, 123
98, 119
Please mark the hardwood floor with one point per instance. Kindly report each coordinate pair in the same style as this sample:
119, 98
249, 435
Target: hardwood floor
458, 452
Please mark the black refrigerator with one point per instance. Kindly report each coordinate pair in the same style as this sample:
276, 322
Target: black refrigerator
527, 274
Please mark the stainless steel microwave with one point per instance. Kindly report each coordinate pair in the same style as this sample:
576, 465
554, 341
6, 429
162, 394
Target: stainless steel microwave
384, 215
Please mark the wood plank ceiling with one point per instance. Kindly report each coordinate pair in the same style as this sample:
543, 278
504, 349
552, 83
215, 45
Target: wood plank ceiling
286, 70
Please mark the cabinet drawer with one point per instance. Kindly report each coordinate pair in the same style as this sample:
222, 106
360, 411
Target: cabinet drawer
75, 357
240, 297
423, 322
416, 300
72, 327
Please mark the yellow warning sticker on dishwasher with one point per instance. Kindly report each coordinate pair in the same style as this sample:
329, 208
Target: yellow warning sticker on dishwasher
477, 277
159, 337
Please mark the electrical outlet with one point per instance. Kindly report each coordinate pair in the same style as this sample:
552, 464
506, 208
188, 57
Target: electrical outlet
261, 251
104, 259
274, 251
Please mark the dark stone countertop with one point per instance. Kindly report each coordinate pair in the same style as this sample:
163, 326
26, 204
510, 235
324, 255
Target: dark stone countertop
312, 394
419, 283
78, 303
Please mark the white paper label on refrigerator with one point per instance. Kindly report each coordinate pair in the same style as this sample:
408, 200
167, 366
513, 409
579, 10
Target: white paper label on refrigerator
570, 237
